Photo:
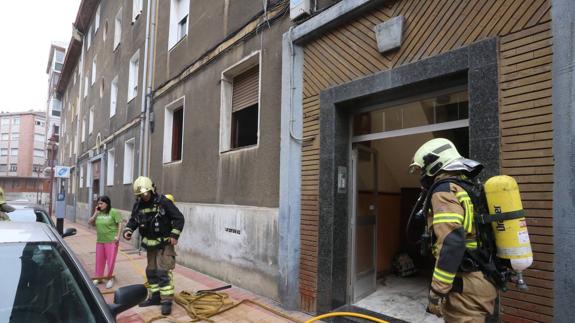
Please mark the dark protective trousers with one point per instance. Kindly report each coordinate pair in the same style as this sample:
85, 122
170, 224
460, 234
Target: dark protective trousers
475, 303
161, 262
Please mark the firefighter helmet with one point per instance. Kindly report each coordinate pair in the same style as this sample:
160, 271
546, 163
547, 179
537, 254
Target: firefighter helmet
171, 198
142, 185
440, 154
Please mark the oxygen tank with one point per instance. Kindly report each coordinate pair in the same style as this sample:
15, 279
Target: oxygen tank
511, 236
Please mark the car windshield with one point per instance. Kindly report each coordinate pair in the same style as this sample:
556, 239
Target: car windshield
29, 215
41, 284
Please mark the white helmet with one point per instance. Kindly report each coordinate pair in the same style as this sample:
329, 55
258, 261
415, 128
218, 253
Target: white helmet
440, 154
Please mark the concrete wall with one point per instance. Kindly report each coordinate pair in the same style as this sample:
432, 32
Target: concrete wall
237, 244
563, 12
243, 177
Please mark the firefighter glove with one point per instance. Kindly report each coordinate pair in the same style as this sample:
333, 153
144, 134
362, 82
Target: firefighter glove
127, 234
436, 304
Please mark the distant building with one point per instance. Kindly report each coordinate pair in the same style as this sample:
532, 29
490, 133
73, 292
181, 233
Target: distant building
23, 154
54, 105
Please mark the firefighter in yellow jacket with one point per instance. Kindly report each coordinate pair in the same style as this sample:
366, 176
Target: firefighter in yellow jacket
456, 294
160, 223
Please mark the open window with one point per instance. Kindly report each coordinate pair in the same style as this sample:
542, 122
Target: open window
110, 165
129, 148
240, 105
113, 96
117, 29
133, 76
174, 131
179, 13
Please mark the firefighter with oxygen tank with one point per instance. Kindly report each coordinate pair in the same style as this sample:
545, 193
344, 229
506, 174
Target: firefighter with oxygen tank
464, 284
160, 223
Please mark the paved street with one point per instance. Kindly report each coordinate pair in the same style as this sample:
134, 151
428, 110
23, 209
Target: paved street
130, 270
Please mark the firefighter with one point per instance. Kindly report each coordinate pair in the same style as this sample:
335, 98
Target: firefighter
459, 292
4, 208
160, 223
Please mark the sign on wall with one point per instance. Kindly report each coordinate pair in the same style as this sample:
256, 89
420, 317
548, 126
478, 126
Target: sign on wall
62, 171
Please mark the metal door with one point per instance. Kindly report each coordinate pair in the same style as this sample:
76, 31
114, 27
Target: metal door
363, 222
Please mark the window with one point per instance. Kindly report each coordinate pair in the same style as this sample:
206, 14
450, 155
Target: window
245, 127
133, 76
89, 38
83, 129
56, 130
110, 167
102, 85
85, 86
97, 19
5, 136
137, 6
13, 167
38, 153
3, 151
128, 161
15, 136
91, 120
3, 167
240, 106
93, 71
81, 176
105, 31
39, 137
58, 60
173, 131
118, 29
179, 12
16, 121
113, 96
14, 152
5, 121
37, 168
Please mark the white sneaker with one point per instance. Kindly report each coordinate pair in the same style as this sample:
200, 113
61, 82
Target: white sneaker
110, 283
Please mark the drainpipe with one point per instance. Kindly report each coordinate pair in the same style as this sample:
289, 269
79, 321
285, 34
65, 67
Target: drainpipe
146, 84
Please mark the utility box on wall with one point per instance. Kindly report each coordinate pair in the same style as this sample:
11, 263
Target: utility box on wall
299, 8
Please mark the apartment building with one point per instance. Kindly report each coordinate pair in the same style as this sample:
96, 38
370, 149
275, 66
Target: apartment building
53, 104
23, 155
103, 93
191, 101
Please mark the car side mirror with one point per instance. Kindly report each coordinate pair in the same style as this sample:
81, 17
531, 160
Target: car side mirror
69, 232
127, 297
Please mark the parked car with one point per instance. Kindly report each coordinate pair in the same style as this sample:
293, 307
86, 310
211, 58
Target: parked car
42, 280
29, 212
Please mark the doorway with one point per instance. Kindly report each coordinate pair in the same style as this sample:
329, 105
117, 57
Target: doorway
388, 273
96, 171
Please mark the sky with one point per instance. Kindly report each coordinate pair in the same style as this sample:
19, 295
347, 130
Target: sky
27, 29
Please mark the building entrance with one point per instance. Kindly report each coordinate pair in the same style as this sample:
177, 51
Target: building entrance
388, 273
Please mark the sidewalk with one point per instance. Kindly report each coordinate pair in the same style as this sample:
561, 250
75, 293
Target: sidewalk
130, 269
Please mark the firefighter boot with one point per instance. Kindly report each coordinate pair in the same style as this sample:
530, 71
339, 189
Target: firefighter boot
152, 300
166, 308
